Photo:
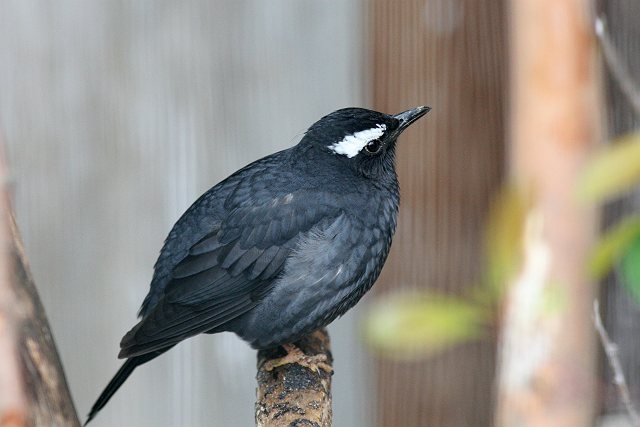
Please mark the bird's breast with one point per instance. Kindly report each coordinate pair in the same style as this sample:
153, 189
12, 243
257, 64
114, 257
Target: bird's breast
330, 268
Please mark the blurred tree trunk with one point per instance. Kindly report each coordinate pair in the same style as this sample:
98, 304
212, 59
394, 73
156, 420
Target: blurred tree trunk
547, 352
449, 55
33, 388
622, 316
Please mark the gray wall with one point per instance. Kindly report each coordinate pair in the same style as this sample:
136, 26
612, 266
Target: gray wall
117, 115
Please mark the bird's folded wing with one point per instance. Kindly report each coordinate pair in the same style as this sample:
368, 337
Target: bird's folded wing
226, 273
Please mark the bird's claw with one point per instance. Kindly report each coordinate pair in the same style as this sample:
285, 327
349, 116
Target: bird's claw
296, 356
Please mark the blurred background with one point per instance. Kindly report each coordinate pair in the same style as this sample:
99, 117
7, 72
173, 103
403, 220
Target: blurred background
117, 115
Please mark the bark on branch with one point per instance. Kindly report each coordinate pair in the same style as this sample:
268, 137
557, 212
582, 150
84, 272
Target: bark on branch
292, 395
33, 388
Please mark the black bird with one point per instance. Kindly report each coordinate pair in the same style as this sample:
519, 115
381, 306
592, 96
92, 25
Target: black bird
280, 248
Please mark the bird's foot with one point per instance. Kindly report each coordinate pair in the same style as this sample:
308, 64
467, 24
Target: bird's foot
296, 356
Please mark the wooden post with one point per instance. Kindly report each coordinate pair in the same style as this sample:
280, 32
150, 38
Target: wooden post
33, 388
547, 354
292, 395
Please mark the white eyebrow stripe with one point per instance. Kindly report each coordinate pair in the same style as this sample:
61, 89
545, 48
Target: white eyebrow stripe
351, 145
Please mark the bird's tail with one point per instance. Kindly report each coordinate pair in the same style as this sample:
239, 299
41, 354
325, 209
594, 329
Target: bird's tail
119, 378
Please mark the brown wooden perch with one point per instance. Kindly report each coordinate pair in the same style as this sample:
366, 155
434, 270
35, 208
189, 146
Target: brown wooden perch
292, 395
33, 388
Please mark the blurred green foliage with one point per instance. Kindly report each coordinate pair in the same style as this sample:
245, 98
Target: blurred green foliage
415, 325
613, 245
615, 170
504, 234
630, 267
418, 325
421, 324
611, 173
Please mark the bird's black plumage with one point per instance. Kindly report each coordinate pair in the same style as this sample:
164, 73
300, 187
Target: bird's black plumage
281, 247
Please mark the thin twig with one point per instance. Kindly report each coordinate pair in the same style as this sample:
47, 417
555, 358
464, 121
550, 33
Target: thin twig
611, 351
615, 64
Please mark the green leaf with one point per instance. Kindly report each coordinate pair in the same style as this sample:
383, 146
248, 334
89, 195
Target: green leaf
613, 245
613, 171
410, 326
630, 267
504, 234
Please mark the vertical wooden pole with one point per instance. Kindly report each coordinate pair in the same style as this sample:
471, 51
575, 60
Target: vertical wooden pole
13, 394
547, 369
449, 54
33, 388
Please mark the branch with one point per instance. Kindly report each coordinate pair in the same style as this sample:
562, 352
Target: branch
292, 395
616, 66
33, 388
611, 351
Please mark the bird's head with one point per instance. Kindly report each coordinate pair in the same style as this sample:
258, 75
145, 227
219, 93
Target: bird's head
363, 139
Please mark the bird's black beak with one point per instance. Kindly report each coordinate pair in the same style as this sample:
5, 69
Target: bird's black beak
408, 117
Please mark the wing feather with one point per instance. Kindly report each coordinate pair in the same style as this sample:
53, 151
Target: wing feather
225, 273
246, 260
144, 338
209, 244
193, 265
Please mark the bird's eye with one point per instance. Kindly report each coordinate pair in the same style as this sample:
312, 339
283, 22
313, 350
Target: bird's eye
373, 147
